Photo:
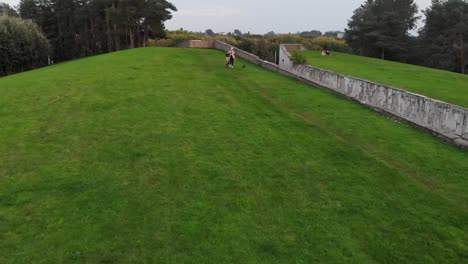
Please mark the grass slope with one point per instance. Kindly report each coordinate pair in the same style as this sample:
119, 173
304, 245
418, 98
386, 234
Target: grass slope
443, 85
164, 155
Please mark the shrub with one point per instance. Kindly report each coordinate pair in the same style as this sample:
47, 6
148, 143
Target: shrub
180, 36
329, 43
246, 44
298, 57
22, 45
229, 40
160, 43
289, 38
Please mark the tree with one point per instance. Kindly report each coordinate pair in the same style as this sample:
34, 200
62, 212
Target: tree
271, 34
445, 35
78, 28
28, 9
360, 24
22, 45
311, 34
380, 28
7, 10
210, 33
333, 34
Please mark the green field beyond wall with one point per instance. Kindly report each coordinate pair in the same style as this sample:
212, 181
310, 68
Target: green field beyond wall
438, 84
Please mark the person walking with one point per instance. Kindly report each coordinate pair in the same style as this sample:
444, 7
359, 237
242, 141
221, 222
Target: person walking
230, 58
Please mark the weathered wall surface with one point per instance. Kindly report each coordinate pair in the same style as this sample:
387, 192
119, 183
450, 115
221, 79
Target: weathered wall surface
242, 54
252, 58
285, 61
444, 119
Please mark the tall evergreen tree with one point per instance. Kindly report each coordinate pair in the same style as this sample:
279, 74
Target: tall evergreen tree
28, 9
380, 28
78, 28
445, 35
7, 10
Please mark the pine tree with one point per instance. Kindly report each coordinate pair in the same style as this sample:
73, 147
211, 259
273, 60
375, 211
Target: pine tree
7, 10
78, 28
380, 28
445, 35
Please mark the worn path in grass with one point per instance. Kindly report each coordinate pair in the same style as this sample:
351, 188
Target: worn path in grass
164, 155
442, 85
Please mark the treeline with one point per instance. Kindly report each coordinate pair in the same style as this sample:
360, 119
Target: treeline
443, 42
380, 28
265, 46
79, 28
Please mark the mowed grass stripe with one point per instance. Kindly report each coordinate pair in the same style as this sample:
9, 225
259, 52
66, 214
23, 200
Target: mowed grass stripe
438, 84
165, 155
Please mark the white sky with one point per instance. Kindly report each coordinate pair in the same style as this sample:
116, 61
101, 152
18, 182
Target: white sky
261, 16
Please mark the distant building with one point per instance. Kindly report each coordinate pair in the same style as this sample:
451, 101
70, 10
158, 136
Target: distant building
340, 35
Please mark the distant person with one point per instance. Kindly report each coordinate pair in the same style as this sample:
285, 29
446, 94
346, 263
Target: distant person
325, 52
230, 58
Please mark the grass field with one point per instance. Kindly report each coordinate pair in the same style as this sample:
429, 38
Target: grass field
165, 156
442, 85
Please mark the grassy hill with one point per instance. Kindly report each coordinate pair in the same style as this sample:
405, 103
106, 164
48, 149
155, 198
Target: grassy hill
443, 85
164, 155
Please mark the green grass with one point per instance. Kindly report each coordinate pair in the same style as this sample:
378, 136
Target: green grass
166, 156
442, 85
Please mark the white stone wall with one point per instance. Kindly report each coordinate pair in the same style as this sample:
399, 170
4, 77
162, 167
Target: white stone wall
447, 120
240, 53
444, 119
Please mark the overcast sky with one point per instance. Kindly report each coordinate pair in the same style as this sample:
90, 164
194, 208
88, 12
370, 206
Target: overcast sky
261, 16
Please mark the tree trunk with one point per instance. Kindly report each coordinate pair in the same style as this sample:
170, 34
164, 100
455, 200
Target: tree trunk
116, 32
93, 40
5, 70
138, 36
130, 33
60, 38
462, 48
109, 36
146, 35
116, 38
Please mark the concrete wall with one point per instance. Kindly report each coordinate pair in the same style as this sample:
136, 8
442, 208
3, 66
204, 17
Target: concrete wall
242, 54
285, 61
443, 119
253, 58
440, 118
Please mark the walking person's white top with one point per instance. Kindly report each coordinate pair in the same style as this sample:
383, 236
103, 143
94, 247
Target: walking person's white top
232, 53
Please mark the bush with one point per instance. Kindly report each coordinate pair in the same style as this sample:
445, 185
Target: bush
298, 57
229, 40
246, 44
22, 45
180, 36
329, 43
160, 43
